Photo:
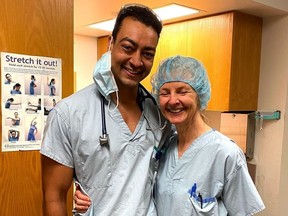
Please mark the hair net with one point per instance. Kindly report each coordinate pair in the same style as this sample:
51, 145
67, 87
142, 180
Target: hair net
183, 69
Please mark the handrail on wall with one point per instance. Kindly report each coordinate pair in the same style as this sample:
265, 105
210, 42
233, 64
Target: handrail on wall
267, 116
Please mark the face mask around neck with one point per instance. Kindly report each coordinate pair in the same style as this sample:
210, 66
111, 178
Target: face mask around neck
103, 76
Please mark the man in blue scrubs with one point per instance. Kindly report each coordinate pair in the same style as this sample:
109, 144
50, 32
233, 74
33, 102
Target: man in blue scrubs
117, 173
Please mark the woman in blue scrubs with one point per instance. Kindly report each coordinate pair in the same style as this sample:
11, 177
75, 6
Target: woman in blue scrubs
32, 130
32, 85
52, 87
203, 172
16, 120
16, 89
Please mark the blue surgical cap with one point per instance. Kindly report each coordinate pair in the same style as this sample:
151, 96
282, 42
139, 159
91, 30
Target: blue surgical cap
183, 69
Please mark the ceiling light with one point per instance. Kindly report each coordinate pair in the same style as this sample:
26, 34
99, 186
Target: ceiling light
174, 11
165, 13
105, 25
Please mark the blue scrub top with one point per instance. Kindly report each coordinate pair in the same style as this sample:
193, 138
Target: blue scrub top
119, 177
212, 171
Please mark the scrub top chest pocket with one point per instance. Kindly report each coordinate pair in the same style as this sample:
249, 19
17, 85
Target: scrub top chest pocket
200, 204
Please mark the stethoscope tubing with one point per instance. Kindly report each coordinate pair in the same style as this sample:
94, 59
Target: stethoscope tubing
104, 139
104, 129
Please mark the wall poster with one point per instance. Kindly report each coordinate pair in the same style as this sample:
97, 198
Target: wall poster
31, 86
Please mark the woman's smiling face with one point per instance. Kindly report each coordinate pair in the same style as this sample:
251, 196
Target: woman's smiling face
178, 102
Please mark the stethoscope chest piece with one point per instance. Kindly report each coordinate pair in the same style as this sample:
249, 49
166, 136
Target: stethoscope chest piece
104, 139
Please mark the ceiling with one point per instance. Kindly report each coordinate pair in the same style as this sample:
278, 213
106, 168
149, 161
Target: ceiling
90, 11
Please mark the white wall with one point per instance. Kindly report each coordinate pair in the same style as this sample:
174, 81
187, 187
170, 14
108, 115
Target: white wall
270, 143
85, 57
280, 4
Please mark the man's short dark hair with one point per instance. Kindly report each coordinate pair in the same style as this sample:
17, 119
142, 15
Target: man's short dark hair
139, 12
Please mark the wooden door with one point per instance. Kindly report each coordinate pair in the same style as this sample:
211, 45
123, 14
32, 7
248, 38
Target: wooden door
40, 28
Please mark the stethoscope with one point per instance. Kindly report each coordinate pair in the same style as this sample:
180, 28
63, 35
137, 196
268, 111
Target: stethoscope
104, 138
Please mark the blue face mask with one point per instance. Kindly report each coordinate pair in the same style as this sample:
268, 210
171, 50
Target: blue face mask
103, 76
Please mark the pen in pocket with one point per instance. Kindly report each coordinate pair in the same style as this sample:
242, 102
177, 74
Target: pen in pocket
200, 200
193, 190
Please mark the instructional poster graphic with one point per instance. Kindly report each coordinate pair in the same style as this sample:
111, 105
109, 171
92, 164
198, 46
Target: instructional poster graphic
31, 87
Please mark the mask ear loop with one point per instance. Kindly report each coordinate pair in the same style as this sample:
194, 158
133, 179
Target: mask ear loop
110, 43
161, 125
117, 103
117, 96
